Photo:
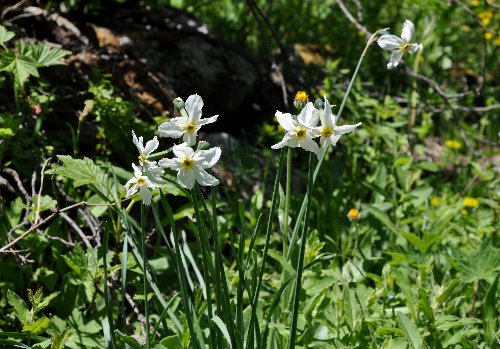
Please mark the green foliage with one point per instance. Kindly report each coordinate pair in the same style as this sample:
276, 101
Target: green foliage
25, 61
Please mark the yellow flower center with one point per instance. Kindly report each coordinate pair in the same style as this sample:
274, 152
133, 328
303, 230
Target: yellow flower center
405, 47
141, 181
190, 127
187, 163
301, 133
326, 132
353, 214
301, 97
143, 159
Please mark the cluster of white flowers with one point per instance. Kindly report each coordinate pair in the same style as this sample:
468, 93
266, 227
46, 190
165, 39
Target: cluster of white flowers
301, 130
190, 165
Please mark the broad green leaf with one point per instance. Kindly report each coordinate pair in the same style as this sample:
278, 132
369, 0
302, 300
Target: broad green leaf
223, 329
20, 308
490, 311
37, 327
382, 217
425, 304
406, 286
128, 340
410, 330
281, 260
46, 56
172, 342
5, 35
351, 308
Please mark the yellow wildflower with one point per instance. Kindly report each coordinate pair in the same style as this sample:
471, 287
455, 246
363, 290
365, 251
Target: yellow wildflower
496, 41
353, 214
486, 21
488, 36
470, 202
453, 144
435, 201
475, 3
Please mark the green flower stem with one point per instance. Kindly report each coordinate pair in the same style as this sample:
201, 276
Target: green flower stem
194, 340
255, 299
144, 278
300, 264
208, 267
298, 223
287, 198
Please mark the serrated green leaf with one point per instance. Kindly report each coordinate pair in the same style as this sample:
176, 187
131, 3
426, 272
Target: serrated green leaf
37, 327
46, 56
20, 308
483, 265
410, 330
22, 66
85, 172
5, 35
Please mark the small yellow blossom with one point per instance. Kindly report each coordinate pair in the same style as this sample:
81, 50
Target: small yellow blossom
464, 212
470, 202
486, 21
301, 97
353, 214
488, 36
496, 41
453, 144
485, 14
475, 3
435, 201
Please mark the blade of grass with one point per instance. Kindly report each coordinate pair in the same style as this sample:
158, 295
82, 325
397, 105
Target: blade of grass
109, 333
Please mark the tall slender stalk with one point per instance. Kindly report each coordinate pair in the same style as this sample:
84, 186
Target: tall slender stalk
300, 264
144, 279
287, 198
298, 222
258, 285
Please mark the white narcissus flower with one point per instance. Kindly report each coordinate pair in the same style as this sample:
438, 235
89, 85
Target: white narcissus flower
399, 46
188, 124
150, 167
140, 183
191, 165
329, 132
300, 132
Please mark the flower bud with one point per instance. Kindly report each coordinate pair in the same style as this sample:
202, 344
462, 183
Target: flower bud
318, 104
178, 104
301, 99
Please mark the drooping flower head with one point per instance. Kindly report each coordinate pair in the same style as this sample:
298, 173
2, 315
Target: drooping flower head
300, 132
399, 46
140, 183
191, 165
189, 123
329, 132
150, 167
